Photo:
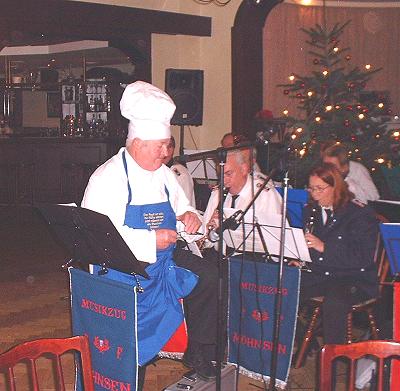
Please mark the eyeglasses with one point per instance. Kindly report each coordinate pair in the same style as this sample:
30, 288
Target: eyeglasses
317, 189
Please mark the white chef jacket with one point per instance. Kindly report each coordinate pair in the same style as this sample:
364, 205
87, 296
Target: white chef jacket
360, 183
268, 202
186, 181
107, 193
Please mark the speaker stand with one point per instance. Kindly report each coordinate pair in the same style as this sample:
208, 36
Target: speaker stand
181, 139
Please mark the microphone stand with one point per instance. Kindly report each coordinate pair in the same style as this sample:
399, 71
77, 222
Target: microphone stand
216, 153
232, 225
221, 155
278, 299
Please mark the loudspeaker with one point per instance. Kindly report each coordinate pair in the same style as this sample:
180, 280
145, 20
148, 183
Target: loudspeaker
185, 87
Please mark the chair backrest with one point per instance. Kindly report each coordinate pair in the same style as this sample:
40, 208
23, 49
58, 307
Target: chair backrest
380, 256
380, 349
54, 347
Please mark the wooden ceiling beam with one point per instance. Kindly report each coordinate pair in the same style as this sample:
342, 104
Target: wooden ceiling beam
97, 21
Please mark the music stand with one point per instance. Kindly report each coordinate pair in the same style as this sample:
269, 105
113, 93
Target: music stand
91, 238
391, 239
387, 208
203, 168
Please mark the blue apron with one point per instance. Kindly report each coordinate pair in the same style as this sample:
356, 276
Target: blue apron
159, 310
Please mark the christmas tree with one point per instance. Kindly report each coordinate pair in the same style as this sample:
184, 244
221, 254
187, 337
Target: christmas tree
335, 105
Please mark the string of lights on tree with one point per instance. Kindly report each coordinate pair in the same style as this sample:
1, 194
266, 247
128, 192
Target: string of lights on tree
335, 104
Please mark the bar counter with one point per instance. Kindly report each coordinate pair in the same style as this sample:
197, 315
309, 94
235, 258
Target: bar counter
50, 169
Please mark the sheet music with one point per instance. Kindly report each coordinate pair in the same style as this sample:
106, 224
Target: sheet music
202, 168
295, 243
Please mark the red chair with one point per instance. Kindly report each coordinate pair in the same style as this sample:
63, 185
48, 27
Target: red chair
380, 349
54, 347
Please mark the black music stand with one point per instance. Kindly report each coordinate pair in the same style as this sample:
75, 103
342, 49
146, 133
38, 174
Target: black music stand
91, 238
388, 209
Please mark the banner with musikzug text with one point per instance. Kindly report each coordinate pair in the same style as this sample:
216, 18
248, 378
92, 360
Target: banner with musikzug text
105, 310
252, 298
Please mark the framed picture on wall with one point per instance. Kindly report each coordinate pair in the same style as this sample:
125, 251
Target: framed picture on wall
53, 104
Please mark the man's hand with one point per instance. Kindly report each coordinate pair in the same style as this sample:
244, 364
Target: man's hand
191, 222
164, 238
214, 220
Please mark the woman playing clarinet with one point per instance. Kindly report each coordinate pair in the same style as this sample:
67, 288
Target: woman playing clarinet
341, 238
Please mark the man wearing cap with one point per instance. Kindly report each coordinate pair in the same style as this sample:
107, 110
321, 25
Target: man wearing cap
144, 201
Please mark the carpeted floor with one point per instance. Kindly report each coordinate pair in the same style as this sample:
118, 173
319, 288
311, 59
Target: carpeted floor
35, 303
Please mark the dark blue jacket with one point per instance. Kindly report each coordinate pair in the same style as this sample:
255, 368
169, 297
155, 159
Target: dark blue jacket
350, 241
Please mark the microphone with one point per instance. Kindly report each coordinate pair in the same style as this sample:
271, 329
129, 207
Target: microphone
231, 223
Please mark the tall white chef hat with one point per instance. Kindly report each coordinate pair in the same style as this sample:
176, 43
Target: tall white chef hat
149, 111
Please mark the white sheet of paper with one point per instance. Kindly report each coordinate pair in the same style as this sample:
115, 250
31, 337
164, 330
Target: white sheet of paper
295, 243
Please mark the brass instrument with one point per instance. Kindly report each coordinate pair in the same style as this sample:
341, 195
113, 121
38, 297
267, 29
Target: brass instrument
201, 243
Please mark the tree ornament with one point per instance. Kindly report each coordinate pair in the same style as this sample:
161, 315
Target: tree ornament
286, 92
346, 122
348, 57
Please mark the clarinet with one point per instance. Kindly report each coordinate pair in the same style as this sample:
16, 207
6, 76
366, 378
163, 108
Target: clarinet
309, 228
310, 223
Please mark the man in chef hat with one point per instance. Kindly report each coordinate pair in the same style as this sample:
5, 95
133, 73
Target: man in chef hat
143, 199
